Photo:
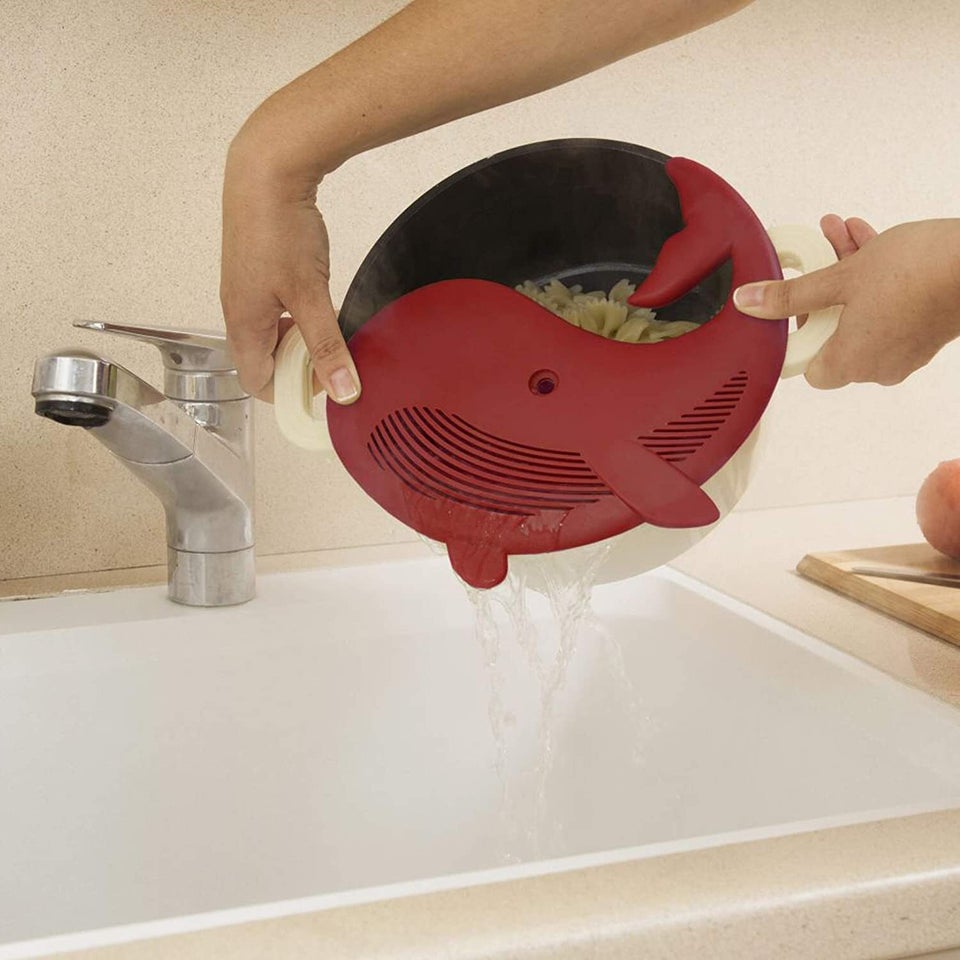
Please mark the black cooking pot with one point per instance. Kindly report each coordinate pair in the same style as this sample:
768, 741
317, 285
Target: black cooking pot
581, 211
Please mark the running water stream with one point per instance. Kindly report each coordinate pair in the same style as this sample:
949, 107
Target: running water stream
511, 620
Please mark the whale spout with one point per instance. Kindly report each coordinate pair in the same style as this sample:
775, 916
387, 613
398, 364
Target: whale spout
481, 565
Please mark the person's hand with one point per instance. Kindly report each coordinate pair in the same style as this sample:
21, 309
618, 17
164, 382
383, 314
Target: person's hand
900, 292
276, 260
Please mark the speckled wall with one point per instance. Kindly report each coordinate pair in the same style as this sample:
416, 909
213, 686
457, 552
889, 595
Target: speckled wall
114, 123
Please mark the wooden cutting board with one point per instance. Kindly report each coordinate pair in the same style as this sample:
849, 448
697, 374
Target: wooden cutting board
935, 609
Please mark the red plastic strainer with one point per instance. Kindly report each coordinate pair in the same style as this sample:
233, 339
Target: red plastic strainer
491, 425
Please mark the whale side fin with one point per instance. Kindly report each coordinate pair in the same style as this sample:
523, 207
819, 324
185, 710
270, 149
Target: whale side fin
651, 487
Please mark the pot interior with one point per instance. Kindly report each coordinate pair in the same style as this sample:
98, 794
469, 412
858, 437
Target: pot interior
584, 211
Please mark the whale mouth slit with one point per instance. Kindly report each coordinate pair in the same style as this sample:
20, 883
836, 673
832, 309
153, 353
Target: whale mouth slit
443, 456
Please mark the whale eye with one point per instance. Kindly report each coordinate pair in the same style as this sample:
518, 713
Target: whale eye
543, 382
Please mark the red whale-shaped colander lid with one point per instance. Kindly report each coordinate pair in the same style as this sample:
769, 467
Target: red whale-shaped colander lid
491, 425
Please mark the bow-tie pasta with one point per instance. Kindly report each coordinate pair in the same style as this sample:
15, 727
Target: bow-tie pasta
608, 315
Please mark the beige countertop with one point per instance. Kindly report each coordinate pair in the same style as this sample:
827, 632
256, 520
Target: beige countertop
885, 889
766, 546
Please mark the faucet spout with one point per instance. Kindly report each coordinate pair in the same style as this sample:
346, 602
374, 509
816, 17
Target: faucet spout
195, 456
138, 423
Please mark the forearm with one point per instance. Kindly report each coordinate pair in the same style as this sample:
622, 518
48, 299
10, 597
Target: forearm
438, 60
950, 272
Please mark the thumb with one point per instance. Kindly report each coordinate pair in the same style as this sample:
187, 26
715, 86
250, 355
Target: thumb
332, 364
777, 299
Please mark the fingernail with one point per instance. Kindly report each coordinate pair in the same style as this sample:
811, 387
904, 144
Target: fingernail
343, 387
749, 295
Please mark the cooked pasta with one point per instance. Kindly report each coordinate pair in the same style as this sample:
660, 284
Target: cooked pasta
608, 315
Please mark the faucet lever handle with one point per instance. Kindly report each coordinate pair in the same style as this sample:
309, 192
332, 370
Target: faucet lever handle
197, 364
183, 349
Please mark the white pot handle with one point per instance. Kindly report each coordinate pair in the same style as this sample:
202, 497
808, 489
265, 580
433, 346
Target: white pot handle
805, 249
293, 395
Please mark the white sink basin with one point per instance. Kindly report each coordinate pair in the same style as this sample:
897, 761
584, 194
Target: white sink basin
330, 743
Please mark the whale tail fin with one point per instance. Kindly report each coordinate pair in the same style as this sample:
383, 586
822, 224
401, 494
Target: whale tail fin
651, 487
702, 245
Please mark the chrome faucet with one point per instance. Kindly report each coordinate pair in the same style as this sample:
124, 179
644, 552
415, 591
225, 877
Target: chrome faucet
192, 445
